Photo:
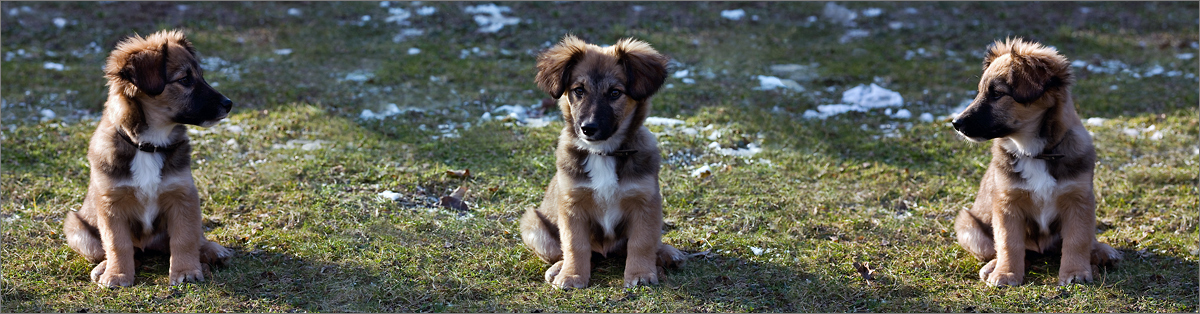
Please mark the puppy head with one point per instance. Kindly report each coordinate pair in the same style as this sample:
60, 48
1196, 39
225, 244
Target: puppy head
1020, 81
160, 72
601, 89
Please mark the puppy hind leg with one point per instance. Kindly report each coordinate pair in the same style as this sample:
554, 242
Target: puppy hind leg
973, 237
539, 234
84, 239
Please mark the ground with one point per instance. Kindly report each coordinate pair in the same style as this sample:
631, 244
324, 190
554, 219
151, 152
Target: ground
330, 208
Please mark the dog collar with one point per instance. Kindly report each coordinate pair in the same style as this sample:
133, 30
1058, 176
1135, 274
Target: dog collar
147, 147
619, 153
1046, 155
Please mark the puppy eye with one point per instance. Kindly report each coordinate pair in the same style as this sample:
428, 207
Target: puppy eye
995, 95
614, 94
578, 91
186, 80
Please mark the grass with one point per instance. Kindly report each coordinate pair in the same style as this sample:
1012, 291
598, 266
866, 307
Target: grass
783, 227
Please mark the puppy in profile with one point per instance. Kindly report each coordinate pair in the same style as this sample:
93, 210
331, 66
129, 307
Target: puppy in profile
141, 194
1037, 192
604, 196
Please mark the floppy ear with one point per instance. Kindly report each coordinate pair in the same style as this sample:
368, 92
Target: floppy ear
147, 70
555, 63
1031, 76
645, 68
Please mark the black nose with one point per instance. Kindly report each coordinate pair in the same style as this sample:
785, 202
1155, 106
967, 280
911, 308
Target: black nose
589, 129
227, 104
957, 123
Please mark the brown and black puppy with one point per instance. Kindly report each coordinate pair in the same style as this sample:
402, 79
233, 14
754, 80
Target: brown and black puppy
141, 193
604, 196
1037, 192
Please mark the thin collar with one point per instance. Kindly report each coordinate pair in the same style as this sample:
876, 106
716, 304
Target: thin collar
147, 147
618, 153
1046, 155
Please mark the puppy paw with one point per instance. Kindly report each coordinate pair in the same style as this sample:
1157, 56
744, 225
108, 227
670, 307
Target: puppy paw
553, 271
987, 270
644, 278
1105, 255
214, 254
567, 282
99, 270
113, 280
1066, 277
180, 275
1001, 279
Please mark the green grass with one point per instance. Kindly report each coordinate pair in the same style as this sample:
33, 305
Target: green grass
311, 235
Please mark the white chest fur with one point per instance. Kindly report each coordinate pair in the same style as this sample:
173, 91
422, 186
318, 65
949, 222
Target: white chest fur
146, 170
1040, 184
603, 174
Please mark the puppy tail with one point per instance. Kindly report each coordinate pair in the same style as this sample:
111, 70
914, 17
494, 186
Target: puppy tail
83, 238
973, 237
669, 256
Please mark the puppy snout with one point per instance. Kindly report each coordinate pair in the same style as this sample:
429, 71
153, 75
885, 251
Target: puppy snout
227, 104
589, 129
958, 124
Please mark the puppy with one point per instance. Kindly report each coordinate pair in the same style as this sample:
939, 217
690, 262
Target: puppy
141, 193
604, 196
1037, 192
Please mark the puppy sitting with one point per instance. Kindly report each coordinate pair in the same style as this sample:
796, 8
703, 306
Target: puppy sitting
604, 196
141, 193
1037, 192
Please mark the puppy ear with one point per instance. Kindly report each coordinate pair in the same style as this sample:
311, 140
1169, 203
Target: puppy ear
147, 70
645, 68
555, 64
1029, 80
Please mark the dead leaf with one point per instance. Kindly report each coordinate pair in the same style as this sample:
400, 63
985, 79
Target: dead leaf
455, 200
864, 270
459, 173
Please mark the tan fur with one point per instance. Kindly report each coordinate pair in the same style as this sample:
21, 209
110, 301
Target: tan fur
133, 201
579, 214
1037, 192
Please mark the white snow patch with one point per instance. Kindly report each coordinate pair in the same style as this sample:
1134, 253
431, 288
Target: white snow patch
1095, 121
756, 250
414, 50
825, 111
283, 52
750, 150
293, 12
771, 82
490, 17
1185, 56
733, 14
60, 22
1078, 63
406, 33
53, 66
681, 73
359, 76
926, 117
688, 80
1156, 70
388, 111
390, 195
663, 121
702, 171
47, 114
902, 114
872, 96
872, 12
852, 34
426, 11
398, 15
839, 14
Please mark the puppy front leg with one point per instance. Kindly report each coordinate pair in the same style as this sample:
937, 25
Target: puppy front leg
184, 227
645, 236
1009, 227
576, 234
1078, 235
117, 269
